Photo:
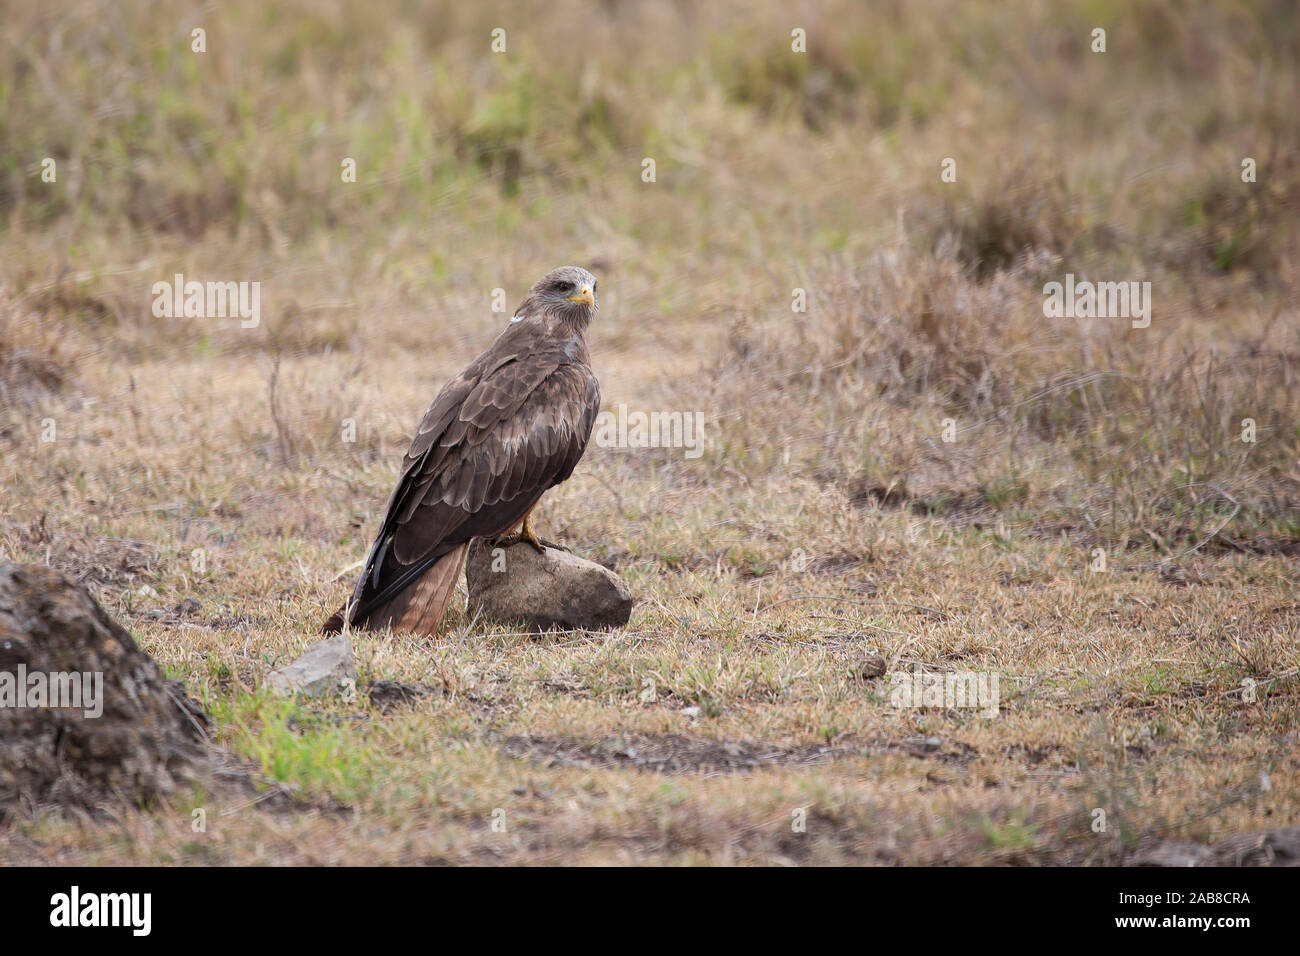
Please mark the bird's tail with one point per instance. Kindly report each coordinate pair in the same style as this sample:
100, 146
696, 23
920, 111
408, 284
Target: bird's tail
420, 606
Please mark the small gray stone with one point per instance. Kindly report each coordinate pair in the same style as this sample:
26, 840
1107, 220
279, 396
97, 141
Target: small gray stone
327, 668
872, 666
519, 585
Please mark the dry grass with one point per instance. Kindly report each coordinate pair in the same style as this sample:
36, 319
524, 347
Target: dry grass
828, 520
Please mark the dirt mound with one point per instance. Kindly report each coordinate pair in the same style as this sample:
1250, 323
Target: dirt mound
86, 717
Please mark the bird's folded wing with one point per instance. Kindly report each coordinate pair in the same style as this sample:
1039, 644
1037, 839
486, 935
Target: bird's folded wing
513, 424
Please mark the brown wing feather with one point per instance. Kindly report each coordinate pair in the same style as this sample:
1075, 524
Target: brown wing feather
548, 430
515, 422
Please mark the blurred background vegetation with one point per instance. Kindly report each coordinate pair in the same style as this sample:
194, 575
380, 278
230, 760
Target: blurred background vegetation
775, 170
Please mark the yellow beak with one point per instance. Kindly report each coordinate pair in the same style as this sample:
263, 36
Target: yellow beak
585, 296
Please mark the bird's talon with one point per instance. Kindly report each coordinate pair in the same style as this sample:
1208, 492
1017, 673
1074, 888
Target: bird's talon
541, 544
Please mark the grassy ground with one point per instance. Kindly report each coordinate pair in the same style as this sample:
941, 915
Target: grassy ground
736, 718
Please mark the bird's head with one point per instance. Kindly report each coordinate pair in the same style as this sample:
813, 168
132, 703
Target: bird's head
567, 293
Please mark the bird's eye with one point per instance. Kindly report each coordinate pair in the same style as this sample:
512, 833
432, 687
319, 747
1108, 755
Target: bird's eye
565, 287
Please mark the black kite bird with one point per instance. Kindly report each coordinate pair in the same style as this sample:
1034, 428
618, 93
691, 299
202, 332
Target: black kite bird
514, 423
